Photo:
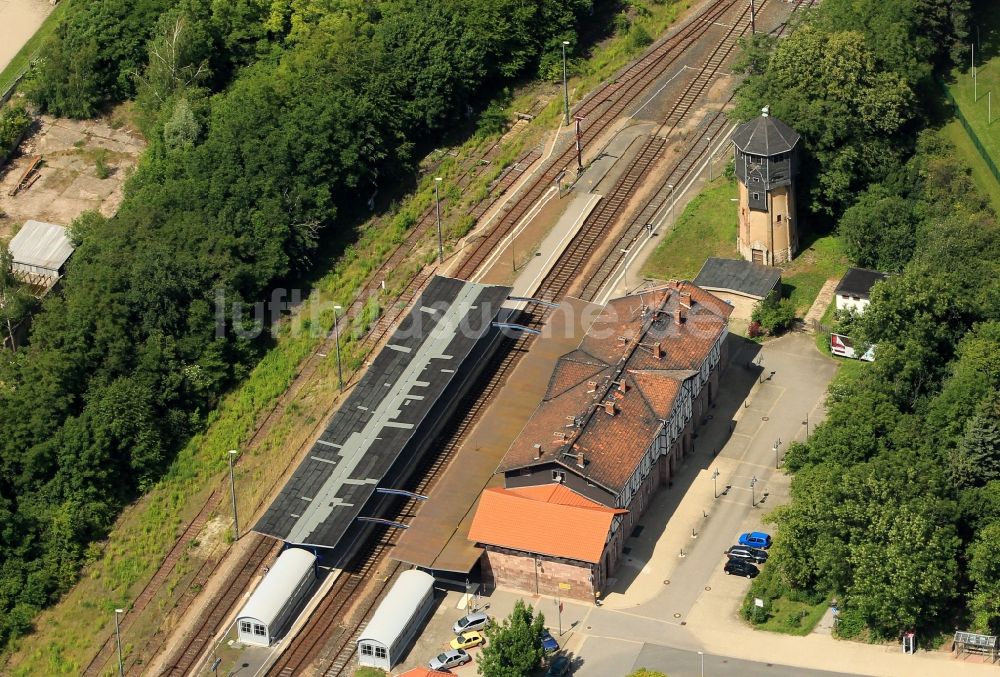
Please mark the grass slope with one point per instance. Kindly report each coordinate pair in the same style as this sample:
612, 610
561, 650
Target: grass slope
21, 59
706, 228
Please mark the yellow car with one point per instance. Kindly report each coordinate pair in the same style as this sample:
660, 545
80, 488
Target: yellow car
467, 640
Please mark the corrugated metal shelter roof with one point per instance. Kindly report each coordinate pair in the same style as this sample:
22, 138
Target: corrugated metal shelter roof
765, 135
393, 615
278, 585
368, 434
737, 275
43, 245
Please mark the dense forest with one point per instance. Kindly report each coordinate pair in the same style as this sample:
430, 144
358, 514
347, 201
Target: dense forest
895, 508
266, 119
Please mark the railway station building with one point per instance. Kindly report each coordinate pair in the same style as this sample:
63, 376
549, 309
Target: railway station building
618, 416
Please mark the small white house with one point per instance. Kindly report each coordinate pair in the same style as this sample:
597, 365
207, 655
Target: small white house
854, 290
38, 253
271, 605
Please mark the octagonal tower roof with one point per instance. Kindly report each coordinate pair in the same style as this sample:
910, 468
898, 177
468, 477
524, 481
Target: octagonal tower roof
765, 135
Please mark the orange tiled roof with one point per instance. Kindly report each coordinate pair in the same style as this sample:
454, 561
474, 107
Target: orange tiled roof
560, 524
422, 672
636, 355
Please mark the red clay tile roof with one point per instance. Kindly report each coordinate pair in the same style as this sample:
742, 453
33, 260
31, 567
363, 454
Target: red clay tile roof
528, 520
637, 343
423, 672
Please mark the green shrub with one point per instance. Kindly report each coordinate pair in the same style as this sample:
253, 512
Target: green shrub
850, 624
14, 122
775, 316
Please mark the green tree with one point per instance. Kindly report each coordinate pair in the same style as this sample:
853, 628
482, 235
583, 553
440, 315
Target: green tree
773, 314
984, 574
646, 672
513, 648
879, 230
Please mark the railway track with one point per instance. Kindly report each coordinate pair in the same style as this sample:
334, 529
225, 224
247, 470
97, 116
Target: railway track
332, 610
622, 96
663, 194
472, 169
184, 661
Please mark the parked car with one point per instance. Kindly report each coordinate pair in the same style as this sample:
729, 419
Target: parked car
754, 555
741, 567
549, 642
756, 539
467, 640
477, 620
449, 659
558, 667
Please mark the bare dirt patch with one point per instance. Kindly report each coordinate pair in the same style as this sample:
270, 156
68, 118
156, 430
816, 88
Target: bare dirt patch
84, 167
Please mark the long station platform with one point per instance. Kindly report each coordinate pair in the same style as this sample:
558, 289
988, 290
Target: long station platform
437, 538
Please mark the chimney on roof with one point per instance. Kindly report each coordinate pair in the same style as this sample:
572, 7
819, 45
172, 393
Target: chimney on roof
580, 460
678, 315
559, 435
658, 351
591, 386
538, 451
609, 407
685, 299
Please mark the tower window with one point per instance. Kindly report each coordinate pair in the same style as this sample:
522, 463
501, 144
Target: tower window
779, 218
558, 476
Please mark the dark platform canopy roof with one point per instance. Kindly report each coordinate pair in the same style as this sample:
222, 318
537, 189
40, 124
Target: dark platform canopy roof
859, 282
384, 413
765, 135
737, 275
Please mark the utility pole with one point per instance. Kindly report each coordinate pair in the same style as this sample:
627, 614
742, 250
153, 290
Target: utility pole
579, 144
710, 158
232, 488
118, 639
671, 198
625, 262
336, 335
437, 209
753, 19
565, 83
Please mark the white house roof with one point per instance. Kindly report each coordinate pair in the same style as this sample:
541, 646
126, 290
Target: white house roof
396, 610
43, 245
278, 585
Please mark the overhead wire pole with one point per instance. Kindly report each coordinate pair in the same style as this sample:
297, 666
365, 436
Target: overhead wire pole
232, 489
565, 82
753, 19
336, 332
437, 209
579, 144
118, 640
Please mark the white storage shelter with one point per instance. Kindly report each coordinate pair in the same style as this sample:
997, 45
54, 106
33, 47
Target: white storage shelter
397, 620
271, 605
38, 252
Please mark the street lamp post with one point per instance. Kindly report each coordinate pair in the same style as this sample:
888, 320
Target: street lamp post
437, 209
753, 493
118, 639
232, 489
336, 338
753, 19
702, 654
565, 82
715, 483
777, 443
710, 159
625, 263
671, 198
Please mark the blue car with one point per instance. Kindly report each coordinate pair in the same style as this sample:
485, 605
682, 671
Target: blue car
756, 539
549, 642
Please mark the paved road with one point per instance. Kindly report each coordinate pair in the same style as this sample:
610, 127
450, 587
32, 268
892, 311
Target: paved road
676, 663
